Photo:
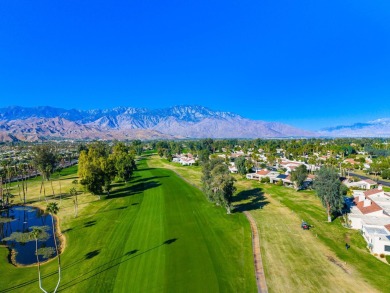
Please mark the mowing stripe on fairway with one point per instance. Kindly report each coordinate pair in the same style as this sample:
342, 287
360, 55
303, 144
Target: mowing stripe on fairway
156, 233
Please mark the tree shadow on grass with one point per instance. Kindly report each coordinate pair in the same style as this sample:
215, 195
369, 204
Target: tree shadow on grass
145, 169
90, 223
92, 254
64, 267
141, 180
248, 200
114, 263
137, 188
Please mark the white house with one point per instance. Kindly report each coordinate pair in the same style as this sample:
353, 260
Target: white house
363, 184
378, 238
233, 168
185, 161
370, 213
262, 174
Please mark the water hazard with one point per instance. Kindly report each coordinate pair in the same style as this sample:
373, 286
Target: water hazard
16, 224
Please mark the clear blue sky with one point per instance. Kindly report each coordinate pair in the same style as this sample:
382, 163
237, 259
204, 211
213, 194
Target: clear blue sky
307, 63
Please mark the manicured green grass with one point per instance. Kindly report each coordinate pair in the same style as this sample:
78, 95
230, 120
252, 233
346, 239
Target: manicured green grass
192, 174
297, 260
154, 234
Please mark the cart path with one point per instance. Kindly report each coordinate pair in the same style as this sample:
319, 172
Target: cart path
259, 269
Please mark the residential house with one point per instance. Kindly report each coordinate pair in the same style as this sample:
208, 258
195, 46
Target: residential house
262, 174
285, 178
233, 168
370, 213
362, 184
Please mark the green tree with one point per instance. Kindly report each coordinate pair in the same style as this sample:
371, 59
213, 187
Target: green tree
217, 183
97, 167
123, 161
203, 156
298, 176
240, 163
125, 166
44, 160
93, 179
328, 189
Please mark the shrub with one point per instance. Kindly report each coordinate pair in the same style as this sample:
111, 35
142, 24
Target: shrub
386, 174
279, 183
265, 180
75, 182
382, 255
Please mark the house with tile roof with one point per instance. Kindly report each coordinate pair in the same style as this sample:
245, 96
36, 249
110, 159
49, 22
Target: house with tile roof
370, 213
259, 174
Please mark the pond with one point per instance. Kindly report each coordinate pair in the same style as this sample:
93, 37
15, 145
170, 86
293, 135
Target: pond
16, 223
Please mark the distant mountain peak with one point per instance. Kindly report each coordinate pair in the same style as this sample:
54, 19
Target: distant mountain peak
192, 121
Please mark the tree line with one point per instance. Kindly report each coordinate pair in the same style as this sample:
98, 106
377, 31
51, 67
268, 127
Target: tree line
100, 164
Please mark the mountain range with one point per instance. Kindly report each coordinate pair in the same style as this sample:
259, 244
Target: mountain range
41, 123
178, 122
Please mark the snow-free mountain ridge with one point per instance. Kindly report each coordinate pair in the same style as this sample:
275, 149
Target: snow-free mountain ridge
23, 123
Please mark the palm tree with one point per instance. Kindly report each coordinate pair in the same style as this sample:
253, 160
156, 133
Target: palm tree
52, 208
59, 169
35, 234
73, 192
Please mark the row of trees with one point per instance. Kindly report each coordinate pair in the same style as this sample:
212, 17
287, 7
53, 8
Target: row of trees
99, 165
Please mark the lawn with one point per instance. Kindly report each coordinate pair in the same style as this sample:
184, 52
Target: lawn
302, 261
192, 174
154, 234
297, 260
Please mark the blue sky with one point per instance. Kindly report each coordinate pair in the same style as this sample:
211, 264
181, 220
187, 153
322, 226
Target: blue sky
307, 63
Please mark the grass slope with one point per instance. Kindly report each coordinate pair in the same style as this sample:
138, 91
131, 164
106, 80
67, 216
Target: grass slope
297, 260
304, 261
154, 234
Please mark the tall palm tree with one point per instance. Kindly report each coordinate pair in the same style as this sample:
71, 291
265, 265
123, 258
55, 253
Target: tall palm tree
73, 192
52, 208
35, 234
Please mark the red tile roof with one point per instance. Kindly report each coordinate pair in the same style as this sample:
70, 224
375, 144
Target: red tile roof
387, 227
366, 210
372, 191
262, 172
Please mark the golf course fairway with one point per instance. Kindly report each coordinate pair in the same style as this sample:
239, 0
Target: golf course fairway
156, 233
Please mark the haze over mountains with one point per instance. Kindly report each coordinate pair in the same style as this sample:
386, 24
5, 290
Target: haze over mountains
31, 124
375, 128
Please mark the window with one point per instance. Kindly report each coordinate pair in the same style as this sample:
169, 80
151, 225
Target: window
387, 248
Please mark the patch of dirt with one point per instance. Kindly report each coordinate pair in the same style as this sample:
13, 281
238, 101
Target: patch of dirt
337, 263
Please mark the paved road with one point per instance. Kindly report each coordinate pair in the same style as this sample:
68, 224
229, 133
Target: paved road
365, 177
